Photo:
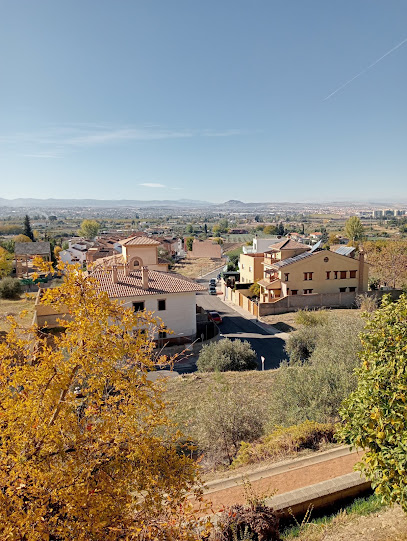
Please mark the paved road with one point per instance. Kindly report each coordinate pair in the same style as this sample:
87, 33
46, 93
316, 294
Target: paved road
235, 326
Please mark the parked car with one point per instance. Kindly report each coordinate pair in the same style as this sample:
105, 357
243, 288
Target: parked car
212, 282
212, 290
215, 317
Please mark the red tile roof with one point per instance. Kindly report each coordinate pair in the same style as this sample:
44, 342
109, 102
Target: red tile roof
139, 241
159, 283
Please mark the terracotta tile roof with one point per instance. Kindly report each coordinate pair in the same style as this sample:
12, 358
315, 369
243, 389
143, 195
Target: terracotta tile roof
159, 283
287, 244
139, 241
104, 262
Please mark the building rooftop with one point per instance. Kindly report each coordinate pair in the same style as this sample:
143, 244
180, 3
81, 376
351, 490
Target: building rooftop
287, 244
32, 248
139, 241
159, 283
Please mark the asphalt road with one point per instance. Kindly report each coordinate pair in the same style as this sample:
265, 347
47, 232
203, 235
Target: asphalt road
235, 326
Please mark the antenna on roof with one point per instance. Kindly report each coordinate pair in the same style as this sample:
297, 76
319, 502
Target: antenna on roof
316, 247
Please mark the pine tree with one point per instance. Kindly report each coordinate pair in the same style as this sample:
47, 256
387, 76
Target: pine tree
28, 232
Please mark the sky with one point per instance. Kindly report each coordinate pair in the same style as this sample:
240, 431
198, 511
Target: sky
262, 100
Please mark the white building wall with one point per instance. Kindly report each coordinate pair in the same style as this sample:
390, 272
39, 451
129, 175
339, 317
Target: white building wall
179, 315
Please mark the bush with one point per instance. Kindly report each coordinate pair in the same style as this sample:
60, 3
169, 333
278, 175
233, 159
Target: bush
285, 441
226, 416
367, 303
10, 288
255, 522
300, 345
312, 319
314, 390
227, 355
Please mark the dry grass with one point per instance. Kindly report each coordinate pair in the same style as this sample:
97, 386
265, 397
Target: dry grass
194, 268
282, 320
184, 393
15, 307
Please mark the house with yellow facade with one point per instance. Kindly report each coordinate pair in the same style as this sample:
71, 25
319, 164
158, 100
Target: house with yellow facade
291, 275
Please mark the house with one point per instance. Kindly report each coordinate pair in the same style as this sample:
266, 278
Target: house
138, 279
25, 252
251, 267
315, 272
260, 245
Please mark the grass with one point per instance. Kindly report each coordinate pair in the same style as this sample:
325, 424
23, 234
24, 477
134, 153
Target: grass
15, 307
184, 393
316, 529
289, 322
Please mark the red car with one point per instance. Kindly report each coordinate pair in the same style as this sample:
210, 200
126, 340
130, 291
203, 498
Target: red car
215, 317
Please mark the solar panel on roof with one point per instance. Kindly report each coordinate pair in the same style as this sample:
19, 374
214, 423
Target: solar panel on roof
344, 250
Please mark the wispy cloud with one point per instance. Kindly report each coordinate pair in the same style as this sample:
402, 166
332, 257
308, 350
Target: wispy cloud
76, 136
152, 185
365, 69
43, 155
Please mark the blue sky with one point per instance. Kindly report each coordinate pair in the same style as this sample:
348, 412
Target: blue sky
214, 100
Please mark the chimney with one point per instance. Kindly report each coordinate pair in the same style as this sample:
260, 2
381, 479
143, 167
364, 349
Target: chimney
126, 269
144, 277
361, 270
114, 274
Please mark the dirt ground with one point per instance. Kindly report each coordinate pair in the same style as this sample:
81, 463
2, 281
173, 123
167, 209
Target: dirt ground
387, 525
194, 268
14, 307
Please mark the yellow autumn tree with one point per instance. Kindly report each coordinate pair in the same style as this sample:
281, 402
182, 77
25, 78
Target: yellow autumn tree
86, 449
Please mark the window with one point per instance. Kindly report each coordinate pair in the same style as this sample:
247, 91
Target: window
335, 275
352, 274
352, 289
137, 306
242, 266
286, 274
308, 275
342, 290
343, 275
250, 269
294, 291
328, 275
162, 334
161, 304
308, 291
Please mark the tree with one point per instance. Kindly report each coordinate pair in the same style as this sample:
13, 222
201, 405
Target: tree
280, 229
57, 251
28, 232
189, 229
374, 415
6, 263
270, 230
226, 355
89, 229
354, 229
86, 449
388, 260
21, 238
189, 241
255, 289
226, 416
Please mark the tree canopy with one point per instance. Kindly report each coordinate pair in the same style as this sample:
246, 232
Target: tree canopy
89, 229
86, 448
374, 415
28, 232
354, 229
227, 355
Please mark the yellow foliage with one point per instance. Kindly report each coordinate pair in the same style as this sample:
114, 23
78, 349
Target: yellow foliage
86, 449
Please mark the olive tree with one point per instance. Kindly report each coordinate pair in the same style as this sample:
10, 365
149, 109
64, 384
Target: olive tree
227, 355
374, 415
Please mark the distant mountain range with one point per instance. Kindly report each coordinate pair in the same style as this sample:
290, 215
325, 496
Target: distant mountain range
179, 203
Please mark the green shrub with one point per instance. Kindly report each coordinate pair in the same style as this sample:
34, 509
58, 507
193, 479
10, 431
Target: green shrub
314, 390
299, 346
226, 416
283, 441
227, 355
10, 288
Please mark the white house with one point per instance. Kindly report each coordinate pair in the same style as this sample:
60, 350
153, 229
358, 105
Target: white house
139, 280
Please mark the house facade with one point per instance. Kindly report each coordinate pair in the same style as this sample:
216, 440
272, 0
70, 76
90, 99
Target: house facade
138, 280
